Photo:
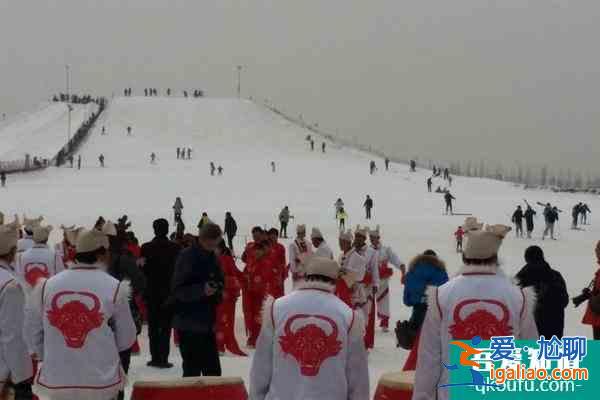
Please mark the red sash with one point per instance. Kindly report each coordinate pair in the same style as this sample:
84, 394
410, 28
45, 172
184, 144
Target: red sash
385, 272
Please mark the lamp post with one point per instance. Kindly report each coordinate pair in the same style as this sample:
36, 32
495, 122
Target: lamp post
239, 82
69, 107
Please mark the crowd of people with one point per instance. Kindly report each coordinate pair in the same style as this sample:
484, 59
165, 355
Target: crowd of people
88, 297
153, 92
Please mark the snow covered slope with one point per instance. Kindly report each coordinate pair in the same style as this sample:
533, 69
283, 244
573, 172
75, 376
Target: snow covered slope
244, 138
41, 133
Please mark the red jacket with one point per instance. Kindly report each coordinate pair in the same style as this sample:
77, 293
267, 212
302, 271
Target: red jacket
259, 270
233, 276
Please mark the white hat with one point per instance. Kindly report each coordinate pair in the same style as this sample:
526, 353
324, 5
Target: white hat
301, 229
316, 234
471, 224
364, 231
71, 233
9, 234
91, 240
375, 232
347, 236
41, 233
29, 224
485, 244
323, 266
109, 229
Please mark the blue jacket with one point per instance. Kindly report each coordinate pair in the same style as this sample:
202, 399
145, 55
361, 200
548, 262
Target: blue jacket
423, 271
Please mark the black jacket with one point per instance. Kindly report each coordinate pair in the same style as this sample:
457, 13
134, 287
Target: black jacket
230, 227
517, 217
193, 310
160, 256
529, 214
552, 297
368, 203
124, 267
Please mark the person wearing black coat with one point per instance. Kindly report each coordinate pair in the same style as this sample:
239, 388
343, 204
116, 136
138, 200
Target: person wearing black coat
230, 229
550, 289
158, 260
529, 215
123, 266
517, 219
197, 290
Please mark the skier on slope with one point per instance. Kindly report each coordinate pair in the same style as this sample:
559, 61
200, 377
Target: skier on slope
284, 220
220, 170
178, 153
101, 159
575, 214
529, 215
189, 153
448, 199
585, 209
79, 162
429, 184
129, 131
323, 145
312, 145
3, 179
339, 204
387, 164
212, 168
517, 219
273, 168
177, 209
152, 158
342, 217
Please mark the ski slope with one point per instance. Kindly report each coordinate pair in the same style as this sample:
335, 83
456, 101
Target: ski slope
41, 133
244, 138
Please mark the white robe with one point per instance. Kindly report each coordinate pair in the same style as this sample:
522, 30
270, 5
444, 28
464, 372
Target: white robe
38, 261
25, 243
311, 346
80, 356
451, 304
298, 257
15, 362
386, 256
356, 265
324, 251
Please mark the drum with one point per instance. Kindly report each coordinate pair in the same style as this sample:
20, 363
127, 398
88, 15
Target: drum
395, 386
200, 388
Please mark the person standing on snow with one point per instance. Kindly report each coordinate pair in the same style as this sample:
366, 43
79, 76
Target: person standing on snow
82, 363
280, 369
368, 205
342, 218
386, 256
284, 220
529, 215
459, 235
177, 209
448, 199
575, 214
189, 153
38, 262
299, 251
312, 145
79, 162
101, 159
178, 153
339, 204
323, 145
220, 170
320, 246
129, 131
517, 219
585, 209
481, 288
273, 168
429, 184
370, 283
3, 179
204, 221
152, 158
230, 229
15, 361
212, 168
387, 164
551, 216
158, 258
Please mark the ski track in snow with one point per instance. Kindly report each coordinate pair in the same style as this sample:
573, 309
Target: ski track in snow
244, 138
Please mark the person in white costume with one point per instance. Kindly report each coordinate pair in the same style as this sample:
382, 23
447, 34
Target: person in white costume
370, 282
299, 251
15, 363
26, 242
322, 249
76, 324
311, 344
386, 257
39, 261
353, 270
480, 301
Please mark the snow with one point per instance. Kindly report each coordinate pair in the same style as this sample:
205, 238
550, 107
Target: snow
244, 138
41, 133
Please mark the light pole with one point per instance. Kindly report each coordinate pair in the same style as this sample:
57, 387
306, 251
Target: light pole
69, 108
239, 85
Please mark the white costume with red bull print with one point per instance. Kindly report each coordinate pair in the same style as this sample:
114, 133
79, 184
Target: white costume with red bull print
299, 251
15, 362
356, 264
25, 243
77, 322
369, 283
481, 301
310, 347
386, 258
36, 263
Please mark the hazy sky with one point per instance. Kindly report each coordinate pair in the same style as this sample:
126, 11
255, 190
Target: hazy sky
505, 80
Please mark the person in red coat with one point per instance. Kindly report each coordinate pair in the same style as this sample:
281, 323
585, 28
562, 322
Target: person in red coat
226, 310
258, 274
277, 286
590, 318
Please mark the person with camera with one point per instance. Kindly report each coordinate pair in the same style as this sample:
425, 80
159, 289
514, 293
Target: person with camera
197, 290
550, 289
591, 294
